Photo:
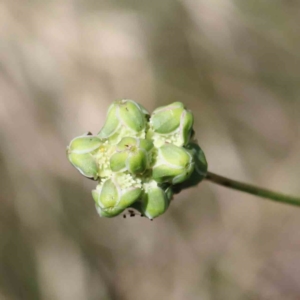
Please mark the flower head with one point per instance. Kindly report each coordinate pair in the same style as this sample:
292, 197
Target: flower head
138, 160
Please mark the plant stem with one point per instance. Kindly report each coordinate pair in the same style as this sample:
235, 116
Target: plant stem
251, 189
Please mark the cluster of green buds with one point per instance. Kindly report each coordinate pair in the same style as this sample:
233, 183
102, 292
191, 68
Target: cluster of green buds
139, 160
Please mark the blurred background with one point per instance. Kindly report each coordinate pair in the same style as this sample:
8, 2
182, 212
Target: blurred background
235, 64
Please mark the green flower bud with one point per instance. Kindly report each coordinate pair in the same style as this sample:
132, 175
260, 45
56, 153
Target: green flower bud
124, 118
114, 195
200, 169
155, 200
172, 124
132, 155
173, 164
81, 153
199, 159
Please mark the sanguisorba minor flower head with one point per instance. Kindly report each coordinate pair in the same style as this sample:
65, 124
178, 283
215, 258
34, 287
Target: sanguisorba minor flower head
140, 161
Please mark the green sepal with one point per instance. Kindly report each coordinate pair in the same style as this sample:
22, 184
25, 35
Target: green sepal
107, 196
127, 143
155, 201
84, 144
125, 118
116, 194
85, 164
129, 197
186, 126
132, 116
118, 161
200, 170
112, 122
132, 155
199, 158
174, 164
108, 213
145, 144
137, 162
171, 124
81, 152
166, 119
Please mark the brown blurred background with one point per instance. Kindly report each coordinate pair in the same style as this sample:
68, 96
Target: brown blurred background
236, 64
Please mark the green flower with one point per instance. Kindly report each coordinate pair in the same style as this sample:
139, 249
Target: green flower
132, 155
81, 153
172, 124
199, 159
200, 169
124, 118
155, 200
173, 164
114, 195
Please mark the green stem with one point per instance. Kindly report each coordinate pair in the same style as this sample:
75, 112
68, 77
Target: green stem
251, 189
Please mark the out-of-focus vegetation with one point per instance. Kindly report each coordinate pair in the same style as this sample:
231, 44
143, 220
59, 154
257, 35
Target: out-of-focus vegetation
235, 64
